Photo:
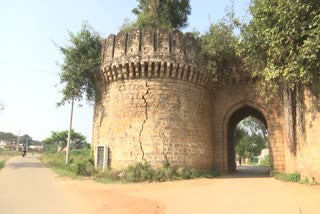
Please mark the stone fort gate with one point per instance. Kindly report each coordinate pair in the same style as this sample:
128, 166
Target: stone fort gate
158, 103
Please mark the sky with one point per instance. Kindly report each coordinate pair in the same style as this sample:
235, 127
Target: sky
29, 60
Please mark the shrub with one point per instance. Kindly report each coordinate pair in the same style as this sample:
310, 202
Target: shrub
139, 172
51, 148
84, 168
164, 174
183, 173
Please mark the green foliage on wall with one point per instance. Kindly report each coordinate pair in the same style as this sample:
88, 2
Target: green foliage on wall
281, 43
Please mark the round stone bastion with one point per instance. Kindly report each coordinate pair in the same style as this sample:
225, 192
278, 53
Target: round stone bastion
154, 102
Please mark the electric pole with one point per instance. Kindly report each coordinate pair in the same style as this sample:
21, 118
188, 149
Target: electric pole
18, 144
69, 132
27, 143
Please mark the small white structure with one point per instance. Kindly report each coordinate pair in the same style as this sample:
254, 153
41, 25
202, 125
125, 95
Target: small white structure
101, 157
264, 153
37, 148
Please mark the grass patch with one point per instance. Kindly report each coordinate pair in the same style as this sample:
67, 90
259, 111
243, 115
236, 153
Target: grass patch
288, 177
5, 155
294, 177
82, 164
144, 172
2, 163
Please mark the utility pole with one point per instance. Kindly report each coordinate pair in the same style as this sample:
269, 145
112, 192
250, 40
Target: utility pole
69, 132
18, 144
27, 143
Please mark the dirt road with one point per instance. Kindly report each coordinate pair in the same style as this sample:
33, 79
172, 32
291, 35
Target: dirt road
27, 187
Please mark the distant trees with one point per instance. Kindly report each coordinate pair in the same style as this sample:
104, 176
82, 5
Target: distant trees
60, 139
25, 139
8, 136
250, 137
160, 13
22, 139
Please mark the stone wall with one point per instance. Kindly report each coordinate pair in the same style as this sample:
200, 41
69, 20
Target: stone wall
306, 159
155, 104
155, 120
230, 104
158, 103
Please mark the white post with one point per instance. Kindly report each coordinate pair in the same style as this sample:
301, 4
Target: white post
69, 132
27, 143
18, 141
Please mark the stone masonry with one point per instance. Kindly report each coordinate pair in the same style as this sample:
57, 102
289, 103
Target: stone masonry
158, 103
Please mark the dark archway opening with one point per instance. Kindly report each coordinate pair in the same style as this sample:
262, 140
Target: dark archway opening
243, 151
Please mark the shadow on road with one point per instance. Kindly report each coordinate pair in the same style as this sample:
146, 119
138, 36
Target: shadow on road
19, 165
250, 172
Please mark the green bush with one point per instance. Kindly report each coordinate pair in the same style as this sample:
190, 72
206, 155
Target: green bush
183, 173
80, 163
85, 168
139, 172
51, 148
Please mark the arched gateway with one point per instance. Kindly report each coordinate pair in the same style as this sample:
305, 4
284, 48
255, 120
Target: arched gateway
158, 103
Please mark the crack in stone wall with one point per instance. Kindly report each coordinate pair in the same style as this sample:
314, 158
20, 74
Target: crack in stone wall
145, 119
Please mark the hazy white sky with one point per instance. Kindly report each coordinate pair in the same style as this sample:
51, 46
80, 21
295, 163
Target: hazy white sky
28, 58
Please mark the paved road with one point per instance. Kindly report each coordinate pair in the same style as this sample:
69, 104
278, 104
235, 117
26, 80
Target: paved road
27, 187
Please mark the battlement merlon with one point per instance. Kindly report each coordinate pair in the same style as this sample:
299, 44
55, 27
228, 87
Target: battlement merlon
152, 54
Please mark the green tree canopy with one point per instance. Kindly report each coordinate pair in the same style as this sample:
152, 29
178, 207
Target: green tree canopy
160, 13
220, 46
60, 139
25, 139
250, 137
281, 43
82, 57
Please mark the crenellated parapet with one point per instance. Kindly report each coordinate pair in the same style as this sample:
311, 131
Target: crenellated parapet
140, 54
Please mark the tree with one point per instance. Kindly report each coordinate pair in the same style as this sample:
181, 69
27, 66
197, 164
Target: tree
281, 43
26, 139
162, 13
220, 46
8, 136
82, 58
60, 139
127, 25
250, 137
